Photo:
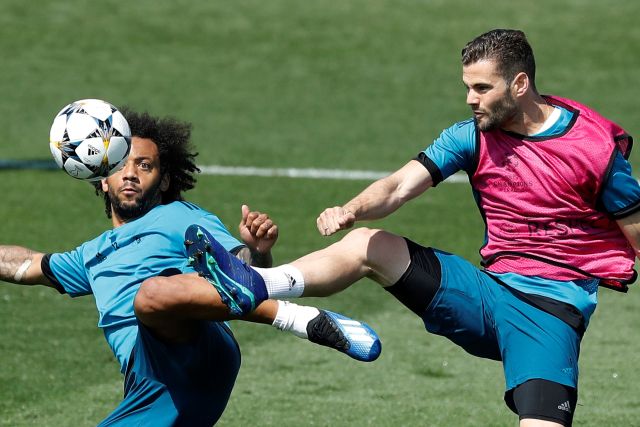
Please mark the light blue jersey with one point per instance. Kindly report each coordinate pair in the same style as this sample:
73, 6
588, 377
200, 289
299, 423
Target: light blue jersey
113, 265
455, 150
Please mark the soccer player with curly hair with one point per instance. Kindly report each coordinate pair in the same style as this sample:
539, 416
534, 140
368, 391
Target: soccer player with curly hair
165, 323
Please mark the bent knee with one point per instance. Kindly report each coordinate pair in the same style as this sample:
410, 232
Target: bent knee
372, 240
361, 236
385, 254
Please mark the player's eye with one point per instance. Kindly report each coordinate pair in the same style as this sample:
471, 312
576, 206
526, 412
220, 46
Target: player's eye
144, 166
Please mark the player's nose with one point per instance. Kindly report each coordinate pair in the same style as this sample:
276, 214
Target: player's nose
472, 98
128, 171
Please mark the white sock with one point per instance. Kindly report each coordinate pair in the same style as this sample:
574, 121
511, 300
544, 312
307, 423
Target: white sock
294, 318
284, 281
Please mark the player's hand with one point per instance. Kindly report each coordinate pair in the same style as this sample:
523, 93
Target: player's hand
335, 219
257, 230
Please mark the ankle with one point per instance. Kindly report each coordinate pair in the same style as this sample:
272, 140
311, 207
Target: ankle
294, 318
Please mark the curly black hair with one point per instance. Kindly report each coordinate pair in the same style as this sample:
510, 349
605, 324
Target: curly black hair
177, 158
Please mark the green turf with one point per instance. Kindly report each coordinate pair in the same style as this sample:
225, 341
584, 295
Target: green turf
349, 84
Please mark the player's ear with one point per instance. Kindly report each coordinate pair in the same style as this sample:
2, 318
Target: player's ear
520, 84
164, 183
105, 186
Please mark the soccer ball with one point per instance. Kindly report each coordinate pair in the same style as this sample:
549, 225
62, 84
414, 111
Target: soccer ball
90, 139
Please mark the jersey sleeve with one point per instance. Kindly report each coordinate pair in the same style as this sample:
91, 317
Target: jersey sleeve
452, 151
67, 272
620, 196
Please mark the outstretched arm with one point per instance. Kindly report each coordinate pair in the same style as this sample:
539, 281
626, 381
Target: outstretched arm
379, 200
259, 233
21, 265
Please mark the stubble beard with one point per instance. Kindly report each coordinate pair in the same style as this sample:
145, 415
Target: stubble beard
499, 113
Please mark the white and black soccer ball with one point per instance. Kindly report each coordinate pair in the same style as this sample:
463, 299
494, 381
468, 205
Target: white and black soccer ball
90, 139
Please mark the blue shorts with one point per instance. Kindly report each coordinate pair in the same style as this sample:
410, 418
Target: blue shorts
178, 385
488, 320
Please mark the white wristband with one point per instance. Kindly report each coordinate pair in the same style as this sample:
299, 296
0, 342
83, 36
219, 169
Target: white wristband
23, 269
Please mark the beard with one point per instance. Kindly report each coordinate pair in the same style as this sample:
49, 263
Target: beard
500, 112
128, 210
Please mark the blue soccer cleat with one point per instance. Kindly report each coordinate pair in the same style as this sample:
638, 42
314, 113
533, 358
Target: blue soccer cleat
354, 338
240, 287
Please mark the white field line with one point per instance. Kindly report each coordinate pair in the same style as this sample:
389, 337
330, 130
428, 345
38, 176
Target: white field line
311, 173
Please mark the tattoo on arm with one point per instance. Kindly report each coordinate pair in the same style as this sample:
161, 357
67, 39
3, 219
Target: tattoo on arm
254, 258
14, 262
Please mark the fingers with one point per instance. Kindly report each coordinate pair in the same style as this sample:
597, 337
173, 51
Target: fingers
266, 229
258, 224
334, 219
272, 232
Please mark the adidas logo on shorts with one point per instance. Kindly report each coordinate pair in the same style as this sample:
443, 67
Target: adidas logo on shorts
565, 407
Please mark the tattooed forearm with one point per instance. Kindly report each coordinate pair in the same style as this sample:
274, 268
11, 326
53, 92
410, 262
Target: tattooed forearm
14, 262
254, 258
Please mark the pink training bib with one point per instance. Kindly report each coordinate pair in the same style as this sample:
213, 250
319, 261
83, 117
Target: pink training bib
539, 195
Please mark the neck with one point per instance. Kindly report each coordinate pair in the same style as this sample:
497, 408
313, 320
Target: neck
531, 116
116, 221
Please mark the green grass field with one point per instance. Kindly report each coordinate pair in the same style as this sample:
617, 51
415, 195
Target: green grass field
352, 85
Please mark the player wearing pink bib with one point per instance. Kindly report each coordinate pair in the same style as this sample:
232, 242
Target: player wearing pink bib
539, 196
561, 206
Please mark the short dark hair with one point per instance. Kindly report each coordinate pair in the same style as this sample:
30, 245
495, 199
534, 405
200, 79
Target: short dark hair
508, 48
177, 157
